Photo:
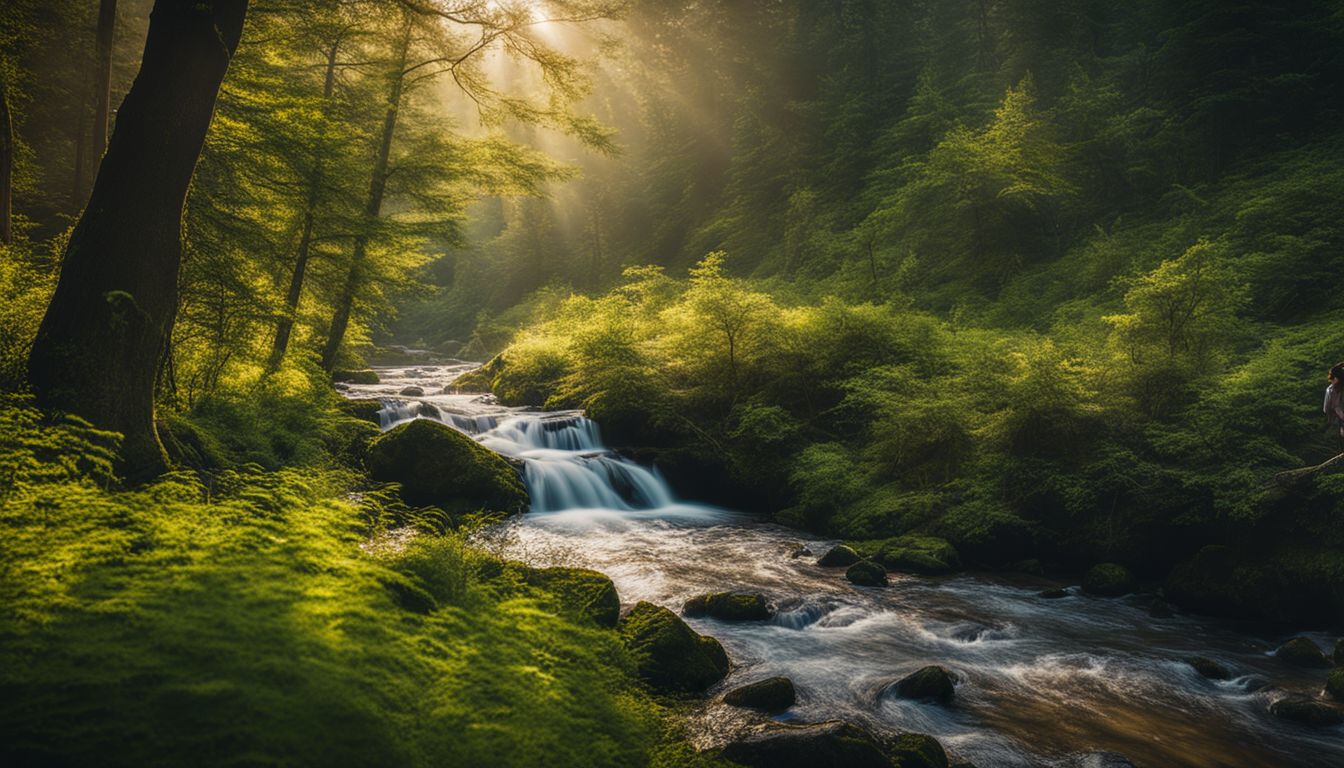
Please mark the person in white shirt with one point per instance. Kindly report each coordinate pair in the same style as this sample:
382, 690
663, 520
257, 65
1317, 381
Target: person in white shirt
1334, 397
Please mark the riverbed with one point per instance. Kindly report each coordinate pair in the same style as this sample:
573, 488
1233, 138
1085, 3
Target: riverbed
1040, 682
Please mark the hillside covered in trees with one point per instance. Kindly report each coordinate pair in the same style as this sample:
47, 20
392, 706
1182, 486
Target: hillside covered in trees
302, 302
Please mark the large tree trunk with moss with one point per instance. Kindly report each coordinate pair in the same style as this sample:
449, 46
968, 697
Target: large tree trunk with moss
373, 207
98, 350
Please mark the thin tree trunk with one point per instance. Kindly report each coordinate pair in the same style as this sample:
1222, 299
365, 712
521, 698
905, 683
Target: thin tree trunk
6, 165
102, 79
77, 187
98, 350
340, 321
285, 325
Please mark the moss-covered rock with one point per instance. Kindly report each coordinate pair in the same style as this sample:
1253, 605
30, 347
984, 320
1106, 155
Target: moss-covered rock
866, 573
773, 694
1302, 652
728, 606
830, 744
668, 654
1108, 580
412, 391
1209, 668
913, 553
1282, 582
435, 464
839, 556
918, 750
582, 592
363, 408
931, 683
1053, 593
1307, 711
1334, 684
355, 377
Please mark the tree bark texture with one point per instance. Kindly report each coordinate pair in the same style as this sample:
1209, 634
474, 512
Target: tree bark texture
98, 350
102, 78
6, 166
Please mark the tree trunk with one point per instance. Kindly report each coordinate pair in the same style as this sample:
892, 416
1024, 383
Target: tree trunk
102, 77
372, 210
285, 325
98, 350
6, 165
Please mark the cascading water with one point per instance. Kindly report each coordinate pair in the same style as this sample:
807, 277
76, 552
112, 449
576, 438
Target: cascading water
1041, 682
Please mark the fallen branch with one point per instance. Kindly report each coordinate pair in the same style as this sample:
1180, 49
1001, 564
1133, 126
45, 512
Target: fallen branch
1294, 477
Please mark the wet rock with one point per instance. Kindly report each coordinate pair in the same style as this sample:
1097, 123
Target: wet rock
412, 392
1302, 652
1334, 684
1108, 580
1209, 668
917, 750
1053, 593
773, 694
587, 593
1161, 609
1307, 711
728, 606
364, 408
802, 550
830, 744
840, 556
866, 573
435, 464
931, 683
428, 410
355, 377
668, 654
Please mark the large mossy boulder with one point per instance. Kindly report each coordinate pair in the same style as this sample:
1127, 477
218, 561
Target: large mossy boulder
839, 556
773, 694
728, 606
582, 592
1302, 652
668, 654
1290, 582
1108, 580
866, 573
355, 377
1307, 711
913, 553
918, 750
829, 744
932, 683
437, 465
363, 408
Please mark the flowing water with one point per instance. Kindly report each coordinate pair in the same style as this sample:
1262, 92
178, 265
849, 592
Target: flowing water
1040, 682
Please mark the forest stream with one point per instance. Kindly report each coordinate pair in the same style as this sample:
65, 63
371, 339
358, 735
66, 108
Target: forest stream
1041, 682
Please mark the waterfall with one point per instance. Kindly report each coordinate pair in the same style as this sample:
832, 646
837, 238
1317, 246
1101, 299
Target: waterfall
565, 464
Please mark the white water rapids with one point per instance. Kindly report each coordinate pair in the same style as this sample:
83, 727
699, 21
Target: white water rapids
1040, 682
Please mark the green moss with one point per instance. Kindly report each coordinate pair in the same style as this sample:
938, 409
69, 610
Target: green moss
1302, 652
668, 653
912, 553
364, 376
1108, 579
363, 408
583, 593
866, 573
728, 606
250, 622
917, 750
436, 464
